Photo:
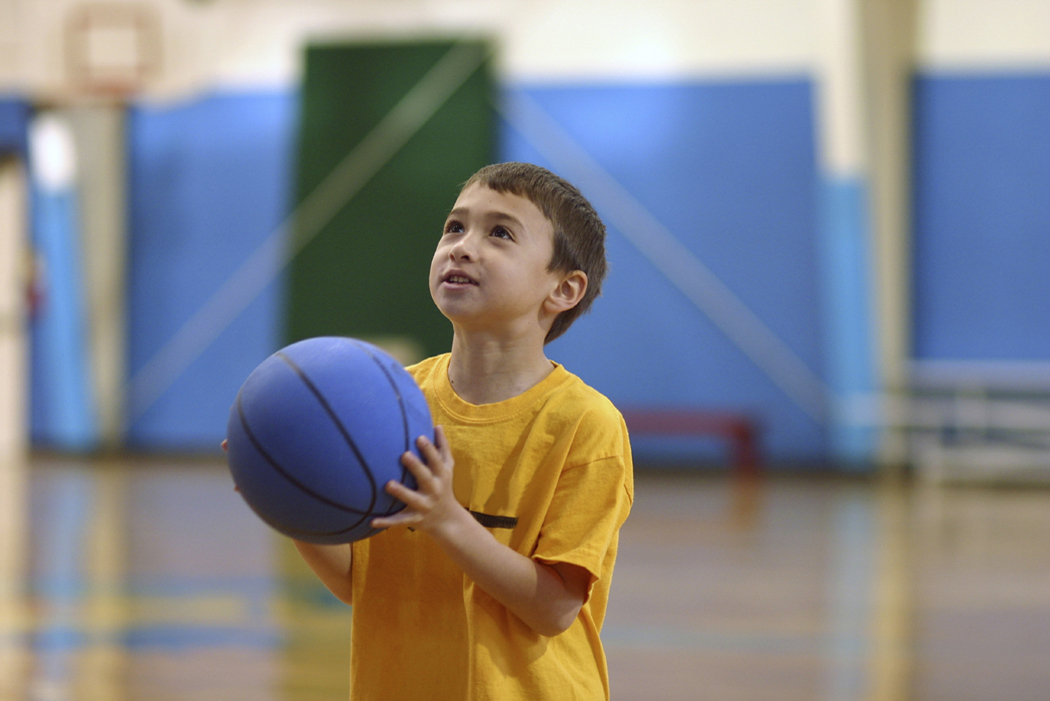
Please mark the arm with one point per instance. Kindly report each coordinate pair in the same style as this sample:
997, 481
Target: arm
332, 565
547, 598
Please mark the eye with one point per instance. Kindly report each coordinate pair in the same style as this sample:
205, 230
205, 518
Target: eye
453, 227
500, 232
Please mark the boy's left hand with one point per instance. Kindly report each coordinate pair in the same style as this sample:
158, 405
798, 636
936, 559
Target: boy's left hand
432, 505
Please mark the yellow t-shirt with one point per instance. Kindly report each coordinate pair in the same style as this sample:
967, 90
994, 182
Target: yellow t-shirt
549, 473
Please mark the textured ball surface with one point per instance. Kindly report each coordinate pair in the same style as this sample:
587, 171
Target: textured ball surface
316, 432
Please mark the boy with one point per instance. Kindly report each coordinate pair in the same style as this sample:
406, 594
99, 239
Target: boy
492, 583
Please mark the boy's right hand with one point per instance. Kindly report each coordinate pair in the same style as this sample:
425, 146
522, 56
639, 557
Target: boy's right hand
432, 506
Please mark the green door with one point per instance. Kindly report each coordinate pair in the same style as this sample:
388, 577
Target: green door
388, 133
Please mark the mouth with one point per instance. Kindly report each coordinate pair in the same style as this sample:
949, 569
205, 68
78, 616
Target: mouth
458, 279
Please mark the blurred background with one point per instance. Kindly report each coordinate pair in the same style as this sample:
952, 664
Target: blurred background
827, 312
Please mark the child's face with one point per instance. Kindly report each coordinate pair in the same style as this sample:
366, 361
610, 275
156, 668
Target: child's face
489, 271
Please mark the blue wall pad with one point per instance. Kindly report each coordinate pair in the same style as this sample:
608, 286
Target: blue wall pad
209, 181
61, 400
848, 321
729, 170
14, 120
982, 217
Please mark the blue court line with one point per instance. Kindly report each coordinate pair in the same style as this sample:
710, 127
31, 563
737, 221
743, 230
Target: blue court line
75, 586
166, 637
664, 638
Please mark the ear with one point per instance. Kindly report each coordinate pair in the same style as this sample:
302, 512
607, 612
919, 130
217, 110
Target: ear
568, 293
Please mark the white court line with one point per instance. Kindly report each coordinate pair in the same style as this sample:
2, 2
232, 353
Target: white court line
263, 266
670, 257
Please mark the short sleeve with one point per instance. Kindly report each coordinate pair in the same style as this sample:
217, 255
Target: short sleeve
590, 503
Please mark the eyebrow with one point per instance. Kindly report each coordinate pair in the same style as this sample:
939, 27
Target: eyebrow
499, 216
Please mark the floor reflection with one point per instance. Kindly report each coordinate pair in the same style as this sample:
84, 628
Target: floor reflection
155, 582
14, 616
129, 580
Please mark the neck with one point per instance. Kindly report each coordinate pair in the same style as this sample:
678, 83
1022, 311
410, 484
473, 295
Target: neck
485, 370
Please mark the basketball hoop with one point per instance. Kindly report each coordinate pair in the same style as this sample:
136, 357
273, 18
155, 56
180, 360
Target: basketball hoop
112, 48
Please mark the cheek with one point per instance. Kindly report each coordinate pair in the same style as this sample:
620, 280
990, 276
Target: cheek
435, 261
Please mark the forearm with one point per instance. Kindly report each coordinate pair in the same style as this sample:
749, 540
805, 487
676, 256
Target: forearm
534, 592
332, 565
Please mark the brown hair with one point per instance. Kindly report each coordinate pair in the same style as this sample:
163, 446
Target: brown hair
579, 234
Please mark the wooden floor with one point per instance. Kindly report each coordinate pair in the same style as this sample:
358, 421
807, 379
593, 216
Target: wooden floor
150, 581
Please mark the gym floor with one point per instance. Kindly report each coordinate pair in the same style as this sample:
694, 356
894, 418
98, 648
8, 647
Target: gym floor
148, 579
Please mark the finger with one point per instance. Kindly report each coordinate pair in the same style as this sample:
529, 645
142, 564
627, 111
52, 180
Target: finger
409, 515
225, 445
435, 460
442, 443
423, 474
399, 519
399, 491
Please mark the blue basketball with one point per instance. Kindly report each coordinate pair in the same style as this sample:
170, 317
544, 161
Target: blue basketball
316, 432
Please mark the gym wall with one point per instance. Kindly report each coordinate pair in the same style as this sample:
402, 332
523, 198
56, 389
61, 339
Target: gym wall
701, 113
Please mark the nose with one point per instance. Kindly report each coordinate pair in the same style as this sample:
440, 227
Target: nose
462, 249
